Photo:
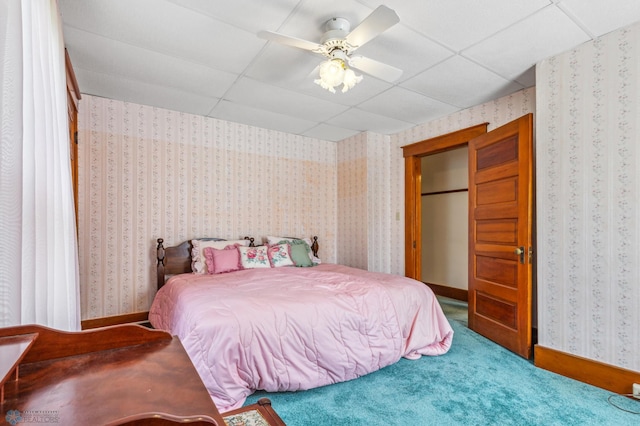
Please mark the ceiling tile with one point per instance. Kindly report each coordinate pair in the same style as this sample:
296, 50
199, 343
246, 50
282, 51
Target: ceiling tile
231, 111
255, 94
308, 20
107, 56
167, 28
458, 24
601, 17
114, 87
249, 15
362, 121
406, 49
520, 47
406, 105
460, 82
330, 133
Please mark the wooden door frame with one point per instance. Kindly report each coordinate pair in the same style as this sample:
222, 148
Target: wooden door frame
413, 189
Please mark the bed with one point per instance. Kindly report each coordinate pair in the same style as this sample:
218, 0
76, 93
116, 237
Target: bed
292, 328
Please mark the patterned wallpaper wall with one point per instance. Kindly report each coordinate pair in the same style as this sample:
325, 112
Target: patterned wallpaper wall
146, 173
364, 203
588, 182
353, 214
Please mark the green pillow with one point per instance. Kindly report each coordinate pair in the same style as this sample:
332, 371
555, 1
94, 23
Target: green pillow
299, 252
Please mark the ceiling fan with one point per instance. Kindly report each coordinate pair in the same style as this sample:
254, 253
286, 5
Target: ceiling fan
338, 43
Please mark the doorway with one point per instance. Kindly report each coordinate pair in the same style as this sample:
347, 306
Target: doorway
500, 226
445, 222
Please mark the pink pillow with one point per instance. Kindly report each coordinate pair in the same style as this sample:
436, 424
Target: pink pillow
225, 260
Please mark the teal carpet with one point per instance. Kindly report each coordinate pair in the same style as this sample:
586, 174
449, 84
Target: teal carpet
476, 383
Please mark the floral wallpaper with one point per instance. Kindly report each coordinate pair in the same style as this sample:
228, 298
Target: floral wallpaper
146, 173
364, 203
353, 214
588, 181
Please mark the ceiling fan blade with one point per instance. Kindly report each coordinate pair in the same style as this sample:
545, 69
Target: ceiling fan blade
377, 22
375, 68
288, 40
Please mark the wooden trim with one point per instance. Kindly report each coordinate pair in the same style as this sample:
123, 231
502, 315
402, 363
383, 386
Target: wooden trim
114, 320
444, 142
412, 215
605, 376
450, 292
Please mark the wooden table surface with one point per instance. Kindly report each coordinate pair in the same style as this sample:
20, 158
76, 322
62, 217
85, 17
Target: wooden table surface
111, 386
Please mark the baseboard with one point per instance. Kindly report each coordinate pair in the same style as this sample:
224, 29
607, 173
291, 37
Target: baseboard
115, 320
450, 292
605, 376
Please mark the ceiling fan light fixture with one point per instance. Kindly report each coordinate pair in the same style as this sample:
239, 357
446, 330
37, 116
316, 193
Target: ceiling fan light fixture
334, 72
350, 80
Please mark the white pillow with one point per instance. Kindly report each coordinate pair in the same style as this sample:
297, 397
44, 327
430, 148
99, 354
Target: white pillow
254, 257
275, 240
199, 262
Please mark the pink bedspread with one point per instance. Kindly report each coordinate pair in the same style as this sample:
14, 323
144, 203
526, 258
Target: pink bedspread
288, 329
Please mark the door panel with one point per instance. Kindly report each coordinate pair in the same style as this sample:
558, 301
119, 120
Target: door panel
499, 271
500, 221
497, 231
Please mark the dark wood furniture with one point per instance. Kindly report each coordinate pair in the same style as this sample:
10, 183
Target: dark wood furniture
177, 259
111, 376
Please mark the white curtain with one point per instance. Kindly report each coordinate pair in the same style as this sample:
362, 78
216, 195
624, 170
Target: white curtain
38, 246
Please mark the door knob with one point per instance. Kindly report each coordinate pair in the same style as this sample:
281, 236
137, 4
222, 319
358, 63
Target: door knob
520, 252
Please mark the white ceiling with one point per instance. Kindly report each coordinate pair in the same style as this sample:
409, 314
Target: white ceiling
203, 56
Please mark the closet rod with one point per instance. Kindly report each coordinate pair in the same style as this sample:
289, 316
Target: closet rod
450, 191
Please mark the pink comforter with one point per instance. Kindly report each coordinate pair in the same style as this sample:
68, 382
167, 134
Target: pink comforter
288, 329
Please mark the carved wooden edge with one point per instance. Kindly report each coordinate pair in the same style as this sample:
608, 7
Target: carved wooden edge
160, 264
314, 245
53, 344
157, 418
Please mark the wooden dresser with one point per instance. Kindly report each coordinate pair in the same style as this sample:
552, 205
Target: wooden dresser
116, 375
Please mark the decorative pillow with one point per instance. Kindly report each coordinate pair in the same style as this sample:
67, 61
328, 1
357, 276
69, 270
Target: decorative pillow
254, 257
279, 255
225, 260
276, 240
198, 261
300, 253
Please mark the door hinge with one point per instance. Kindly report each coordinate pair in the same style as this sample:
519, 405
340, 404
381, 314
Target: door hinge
75, 137
414, 244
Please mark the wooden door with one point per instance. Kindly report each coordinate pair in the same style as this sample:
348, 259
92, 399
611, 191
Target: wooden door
500, 222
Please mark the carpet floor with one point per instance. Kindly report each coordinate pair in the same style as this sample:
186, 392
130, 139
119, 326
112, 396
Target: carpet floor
476, 383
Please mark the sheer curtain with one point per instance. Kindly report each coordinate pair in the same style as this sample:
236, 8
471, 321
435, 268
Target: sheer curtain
38, 246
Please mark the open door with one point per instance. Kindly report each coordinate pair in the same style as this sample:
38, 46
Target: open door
500, 223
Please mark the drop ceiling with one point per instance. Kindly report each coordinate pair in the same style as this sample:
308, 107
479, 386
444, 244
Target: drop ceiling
204, 57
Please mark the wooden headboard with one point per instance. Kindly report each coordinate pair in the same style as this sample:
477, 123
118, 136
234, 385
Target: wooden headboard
177, 259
